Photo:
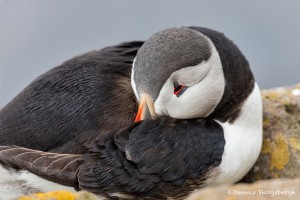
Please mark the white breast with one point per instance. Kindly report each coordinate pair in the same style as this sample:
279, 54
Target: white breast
243, 141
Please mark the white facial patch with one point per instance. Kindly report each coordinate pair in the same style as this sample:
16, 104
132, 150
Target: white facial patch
133, 85
206, 84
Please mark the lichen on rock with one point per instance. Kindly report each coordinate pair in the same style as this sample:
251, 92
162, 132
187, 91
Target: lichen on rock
276, 189
61, 195
280, 155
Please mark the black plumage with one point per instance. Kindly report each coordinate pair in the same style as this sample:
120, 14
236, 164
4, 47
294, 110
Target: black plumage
153, 157
78, 108
83, 111
147, 160
73, 103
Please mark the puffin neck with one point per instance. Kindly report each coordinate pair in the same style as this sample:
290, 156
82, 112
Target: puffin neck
239, 80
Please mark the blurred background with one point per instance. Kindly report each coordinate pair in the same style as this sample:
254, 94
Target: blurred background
36, 35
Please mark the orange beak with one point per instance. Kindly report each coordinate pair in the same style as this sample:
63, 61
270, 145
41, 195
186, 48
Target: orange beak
146, 109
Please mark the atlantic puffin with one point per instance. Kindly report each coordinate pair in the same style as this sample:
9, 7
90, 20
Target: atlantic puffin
198, 122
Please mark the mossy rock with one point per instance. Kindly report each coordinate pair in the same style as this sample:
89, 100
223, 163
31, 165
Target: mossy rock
61, 195
280, 155
274, 189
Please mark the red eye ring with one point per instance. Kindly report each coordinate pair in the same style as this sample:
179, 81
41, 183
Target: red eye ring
178, 89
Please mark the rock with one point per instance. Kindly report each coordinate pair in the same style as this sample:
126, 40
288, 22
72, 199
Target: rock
61, 195
275, 189
280, 155
12, 189
83, 195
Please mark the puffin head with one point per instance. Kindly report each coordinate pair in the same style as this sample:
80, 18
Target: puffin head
178, 73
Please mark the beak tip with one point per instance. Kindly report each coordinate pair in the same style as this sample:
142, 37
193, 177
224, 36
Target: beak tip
146, 109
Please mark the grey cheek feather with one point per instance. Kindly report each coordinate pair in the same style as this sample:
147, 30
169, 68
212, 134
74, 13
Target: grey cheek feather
165, 52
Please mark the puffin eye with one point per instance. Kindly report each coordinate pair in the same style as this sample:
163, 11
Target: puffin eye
179, 89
